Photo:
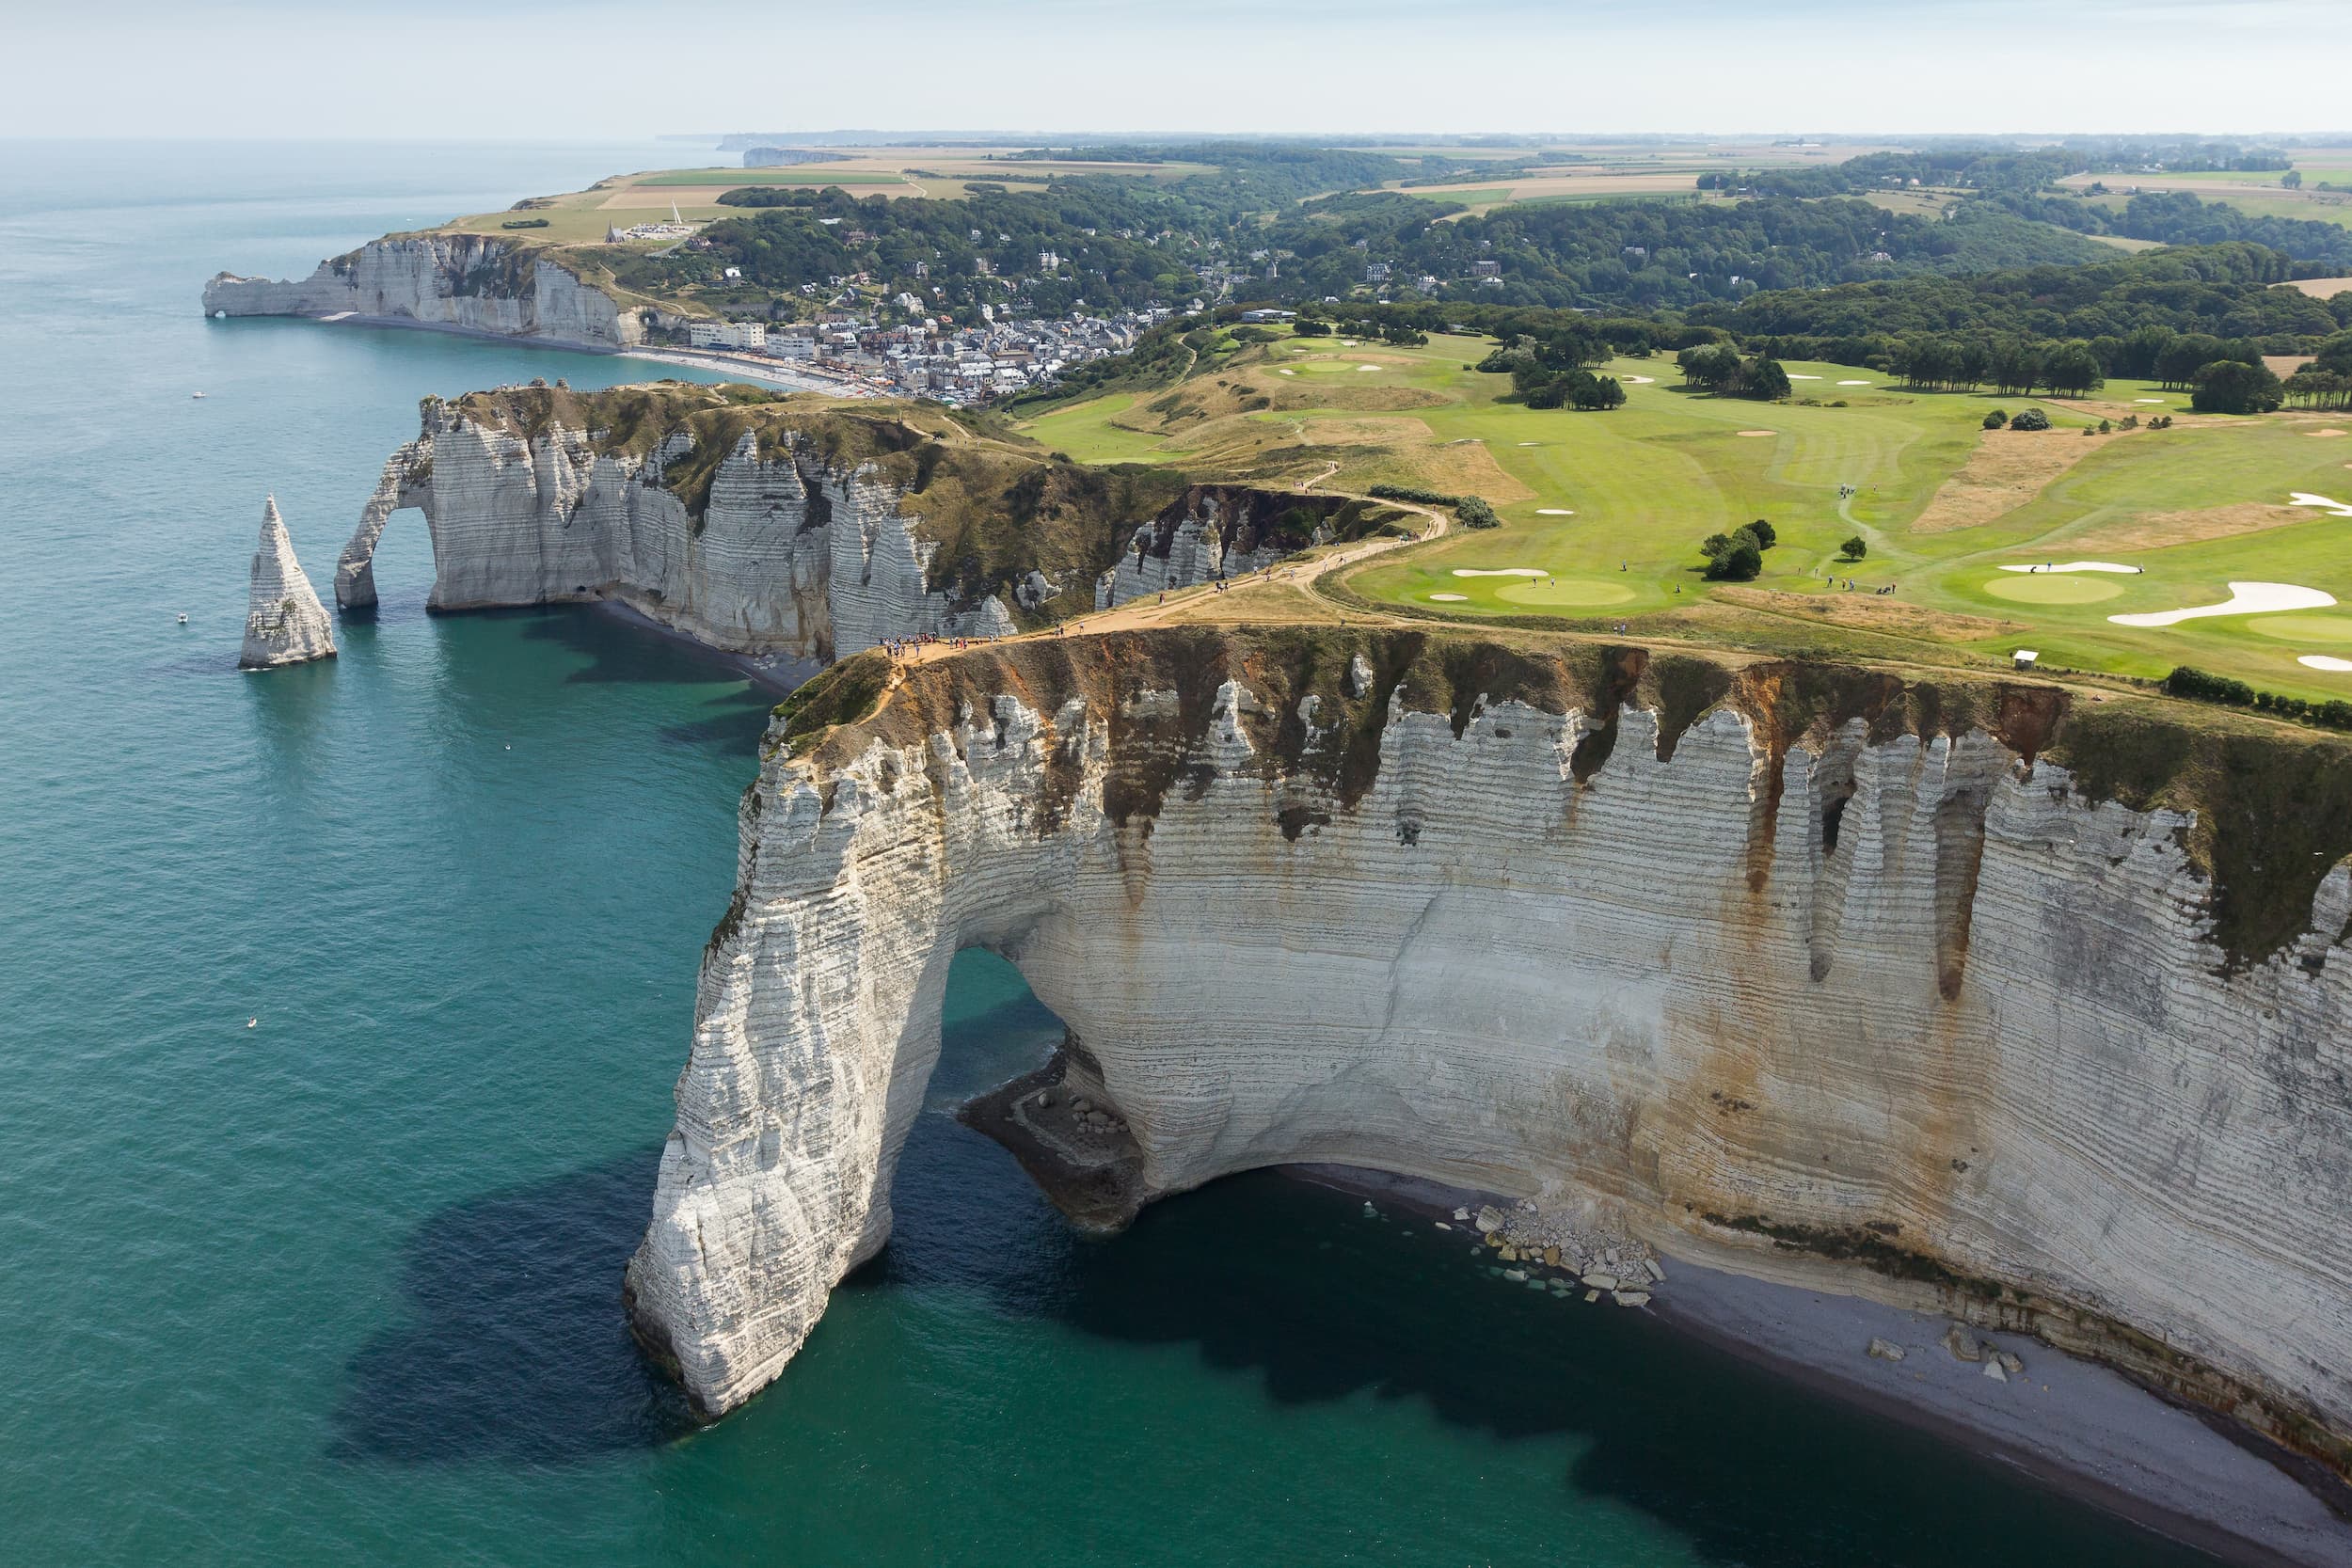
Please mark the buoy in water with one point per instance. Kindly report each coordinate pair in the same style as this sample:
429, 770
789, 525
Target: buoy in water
184, 617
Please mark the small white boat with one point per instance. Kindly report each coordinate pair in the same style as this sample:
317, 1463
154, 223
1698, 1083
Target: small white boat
196, 395
184, 617
253, 1023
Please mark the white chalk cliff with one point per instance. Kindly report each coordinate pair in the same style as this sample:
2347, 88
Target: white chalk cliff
1214, 532
467, 281
791, 554
284, 622
798, 529
1813, 976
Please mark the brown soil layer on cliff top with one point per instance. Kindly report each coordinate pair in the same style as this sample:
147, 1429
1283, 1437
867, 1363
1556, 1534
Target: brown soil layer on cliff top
2272, 801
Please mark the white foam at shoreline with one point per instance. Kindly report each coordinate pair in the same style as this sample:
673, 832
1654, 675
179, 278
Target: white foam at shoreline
2328, 503
2246, 598
2326, 662
1521, 571
2076, 566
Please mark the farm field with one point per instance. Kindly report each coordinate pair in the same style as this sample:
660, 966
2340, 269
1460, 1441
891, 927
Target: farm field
1602, 514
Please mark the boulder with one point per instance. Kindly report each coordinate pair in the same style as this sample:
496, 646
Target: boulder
1887, 1350
1963, 1344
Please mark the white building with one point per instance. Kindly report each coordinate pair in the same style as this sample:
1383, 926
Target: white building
743, 335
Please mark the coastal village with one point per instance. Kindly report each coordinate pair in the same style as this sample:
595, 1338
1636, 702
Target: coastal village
853, 351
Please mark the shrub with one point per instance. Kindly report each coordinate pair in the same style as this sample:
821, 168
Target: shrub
1311, 329
1410, 493
2207, 687
1765, 537
1475, 513
2030, 419
1738, 563
1995, 419
1855, 549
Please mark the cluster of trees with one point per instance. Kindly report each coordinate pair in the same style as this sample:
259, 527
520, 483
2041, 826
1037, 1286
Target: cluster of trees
1988, 168
2204, 687
2015, 366
2179, 219
1547, 370
1638, 254
2327, 382
1738, 556
1717, 368
2221, 291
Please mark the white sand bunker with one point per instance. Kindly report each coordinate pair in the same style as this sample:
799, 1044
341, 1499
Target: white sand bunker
1464, 598
2330, 431
2074, 567
1554, 512
1759, 433
1858, 383
1286, 371
1367, 367
2326, 662
1640, 381
1522, 572
2147, 400
2304, 498
2246, 598
1794, 376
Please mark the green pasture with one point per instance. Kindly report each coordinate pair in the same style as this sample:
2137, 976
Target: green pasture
1644, 483
1084, 431
765, 177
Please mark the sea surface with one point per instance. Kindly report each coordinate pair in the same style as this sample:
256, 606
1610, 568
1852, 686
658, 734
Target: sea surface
340, 1008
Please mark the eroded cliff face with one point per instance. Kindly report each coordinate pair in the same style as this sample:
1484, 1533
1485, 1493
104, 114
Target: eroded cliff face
800, 527
751, 539
1944, 994
460, 280
1211, 531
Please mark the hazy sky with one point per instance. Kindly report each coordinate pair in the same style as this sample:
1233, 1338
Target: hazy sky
593, 69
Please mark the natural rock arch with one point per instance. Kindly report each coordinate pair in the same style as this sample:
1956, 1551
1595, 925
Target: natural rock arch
404, 482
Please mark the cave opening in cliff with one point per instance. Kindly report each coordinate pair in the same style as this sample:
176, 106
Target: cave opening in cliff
1013, 1072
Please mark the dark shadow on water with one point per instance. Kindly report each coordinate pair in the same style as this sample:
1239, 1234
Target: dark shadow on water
515, 1348
1294, 1284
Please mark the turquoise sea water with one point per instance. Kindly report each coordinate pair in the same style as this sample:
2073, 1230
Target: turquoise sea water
343, 1285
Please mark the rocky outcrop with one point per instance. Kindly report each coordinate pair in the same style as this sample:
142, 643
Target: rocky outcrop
466, 281
1945, 995
796, 527
284, 622
1212, 531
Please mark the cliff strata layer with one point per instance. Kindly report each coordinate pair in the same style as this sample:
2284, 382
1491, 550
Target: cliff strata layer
1951, 995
